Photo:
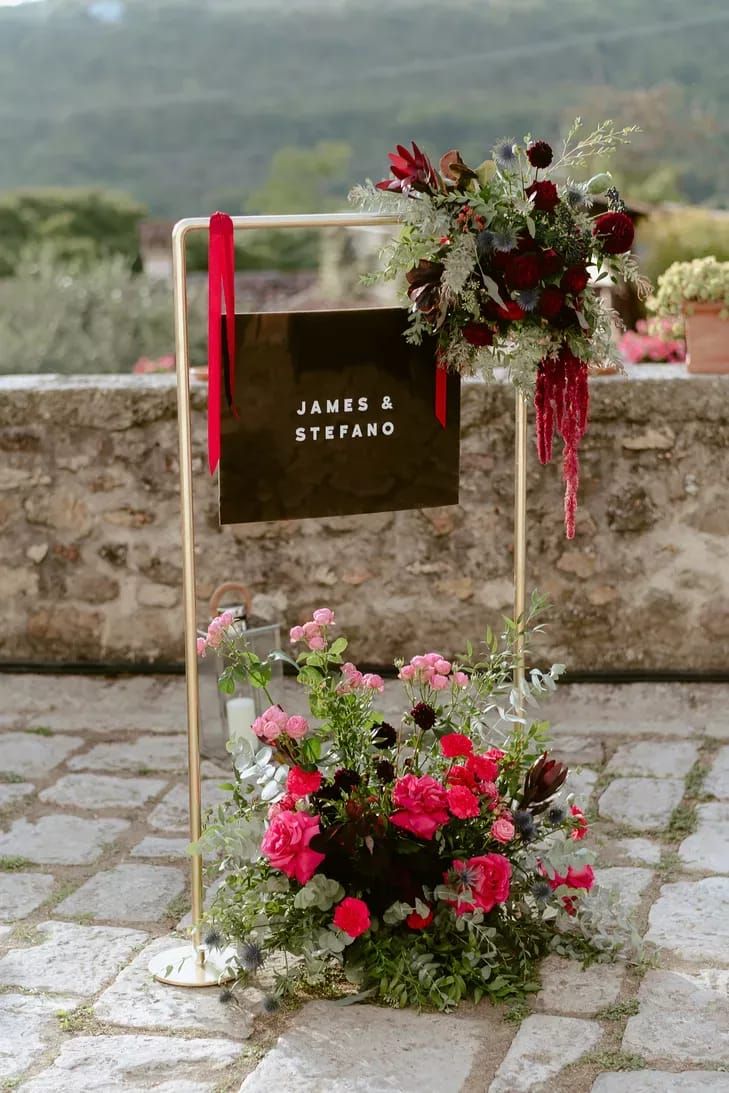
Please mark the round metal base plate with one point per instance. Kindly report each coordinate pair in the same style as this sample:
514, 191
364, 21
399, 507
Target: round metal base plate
180, 967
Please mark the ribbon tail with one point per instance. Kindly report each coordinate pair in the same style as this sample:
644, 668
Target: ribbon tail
228, 278
214, 341
441, 391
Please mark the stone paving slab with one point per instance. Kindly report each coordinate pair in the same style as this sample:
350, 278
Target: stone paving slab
683, 1017
673, 759
21, 893
136, 1000
172, 813
628, 882
32, 755
326, 1049
11, 793
150, 754
707, 850
568, 988
690, 919
575, 750
580, 784
637, 849
661, 1081
70, 959
133, 1064
154, 846
641, 803
61, 839
641, 709
27, 1023
127, 893
717, 780
542, 1048
92, 791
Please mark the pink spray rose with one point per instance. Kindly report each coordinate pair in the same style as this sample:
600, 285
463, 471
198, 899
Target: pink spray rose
323, 617
296, 727
286, 845
270, 724
503, 830
422, 804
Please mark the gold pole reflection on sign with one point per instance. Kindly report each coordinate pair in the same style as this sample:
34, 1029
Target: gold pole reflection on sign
520, 512
192, 965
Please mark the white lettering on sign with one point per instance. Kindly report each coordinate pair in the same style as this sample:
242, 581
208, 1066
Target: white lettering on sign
342, 430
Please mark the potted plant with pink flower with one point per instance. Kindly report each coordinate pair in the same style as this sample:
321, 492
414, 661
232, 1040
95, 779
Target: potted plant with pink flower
425, 862
695, 297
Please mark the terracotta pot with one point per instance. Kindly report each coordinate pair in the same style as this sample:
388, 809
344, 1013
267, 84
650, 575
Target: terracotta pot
199, 373
707, 338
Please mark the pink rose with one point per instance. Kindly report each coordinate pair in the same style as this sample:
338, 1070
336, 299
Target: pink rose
503, 830
323, 617
581, 827
352, 916
423, 805
373, 681
407, 672
495, 753
296, 727
455, 743
300, 783
438, 682
461, 679
286, 845
201, 646
270, 724
286, 804
296, 633
484, 881
462, 802
317, 643
311, 630
443, 667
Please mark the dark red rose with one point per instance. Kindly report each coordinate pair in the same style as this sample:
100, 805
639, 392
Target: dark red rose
511, 311
412, 171
574, 280
545, 194
539, 154
549, 263
522, 271
478, 334
614, 232
550, 302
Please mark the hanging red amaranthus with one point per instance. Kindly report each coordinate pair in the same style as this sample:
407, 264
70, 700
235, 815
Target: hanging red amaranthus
562, 401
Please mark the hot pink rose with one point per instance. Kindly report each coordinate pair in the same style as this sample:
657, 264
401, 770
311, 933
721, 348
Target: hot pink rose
573, 878
419, 922
286, 845
455, 743
423, 805
296, 727
462, 802
461, 776
503, 830
484, 882
300, 783
352, 916
495, 753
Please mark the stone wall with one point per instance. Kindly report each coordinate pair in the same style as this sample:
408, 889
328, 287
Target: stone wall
91, 543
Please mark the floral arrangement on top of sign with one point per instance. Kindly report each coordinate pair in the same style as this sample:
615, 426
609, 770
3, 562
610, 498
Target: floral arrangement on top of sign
427, 863
501, 262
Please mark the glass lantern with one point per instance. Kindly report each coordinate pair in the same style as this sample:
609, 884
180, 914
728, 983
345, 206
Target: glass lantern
225, 717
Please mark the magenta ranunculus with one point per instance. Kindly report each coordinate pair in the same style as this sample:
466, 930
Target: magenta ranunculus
422, 804
286, 845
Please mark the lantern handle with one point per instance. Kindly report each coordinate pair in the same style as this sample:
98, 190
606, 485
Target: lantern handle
223, 589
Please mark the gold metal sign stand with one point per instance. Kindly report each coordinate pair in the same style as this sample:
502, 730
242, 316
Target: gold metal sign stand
192, 964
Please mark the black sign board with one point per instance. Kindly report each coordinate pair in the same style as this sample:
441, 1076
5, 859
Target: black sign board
336, 416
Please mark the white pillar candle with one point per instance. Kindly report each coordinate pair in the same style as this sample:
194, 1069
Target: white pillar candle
241, 713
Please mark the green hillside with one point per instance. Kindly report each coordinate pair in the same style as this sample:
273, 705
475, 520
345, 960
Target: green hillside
184, 104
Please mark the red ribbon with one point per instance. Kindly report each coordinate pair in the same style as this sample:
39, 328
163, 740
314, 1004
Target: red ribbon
221, 282
441, 389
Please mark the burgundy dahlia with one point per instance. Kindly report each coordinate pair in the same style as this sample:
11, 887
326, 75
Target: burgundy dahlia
546, 197
539, 153
550, 302
614, 231
412, 171
574, 280
423, 715
522, 271
478, 334
549, 262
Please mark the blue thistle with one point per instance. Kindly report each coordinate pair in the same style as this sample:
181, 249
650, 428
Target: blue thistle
576, 196
270, 1004
504, 152
524, 824
225, 996
213, 939
557, 814
484, 243
541, 890
250, 956
528, 298
505, 240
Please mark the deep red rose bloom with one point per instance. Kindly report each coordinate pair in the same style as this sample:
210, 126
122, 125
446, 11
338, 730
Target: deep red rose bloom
546, 197
549, 263
455, 743
417, 922
614, 231
352, 916
478, 334
300, 783
550, 302
574, 280
539, 154
522, 271
483, 769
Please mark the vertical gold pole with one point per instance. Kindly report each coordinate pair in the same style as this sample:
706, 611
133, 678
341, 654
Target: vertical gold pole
520, 501
179, 274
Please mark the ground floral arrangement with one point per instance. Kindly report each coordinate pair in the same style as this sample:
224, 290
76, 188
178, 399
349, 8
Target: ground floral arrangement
502, 263
426, 863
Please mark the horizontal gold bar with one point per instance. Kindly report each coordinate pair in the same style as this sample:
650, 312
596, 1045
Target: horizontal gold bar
311, 220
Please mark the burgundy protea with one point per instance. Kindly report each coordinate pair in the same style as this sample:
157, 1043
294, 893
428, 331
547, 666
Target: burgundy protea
424, 287
562, 400
545, 196
544, 779
423, 715
614, 231
539, 153
412, 171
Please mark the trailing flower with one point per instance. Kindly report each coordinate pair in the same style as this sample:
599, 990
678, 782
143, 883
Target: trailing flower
428, 863
500, 263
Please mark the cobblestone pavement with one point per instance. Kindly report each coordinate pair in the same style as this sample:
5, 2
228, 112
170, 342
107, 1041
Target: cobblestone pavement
93, 880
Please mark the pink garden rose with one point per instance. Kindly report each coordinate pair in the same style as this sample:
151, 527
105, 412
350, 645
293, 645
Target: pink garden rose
286, 845
296, 727
503, 830
423, 805
352, 916
484, 880
274, 721
323, 617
